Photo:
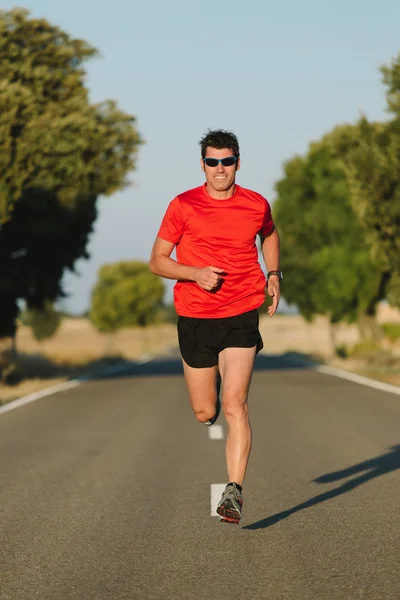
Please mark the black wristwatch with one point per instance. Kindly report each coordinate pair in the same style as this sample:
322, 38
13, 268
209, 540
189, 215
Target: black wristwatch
278, 273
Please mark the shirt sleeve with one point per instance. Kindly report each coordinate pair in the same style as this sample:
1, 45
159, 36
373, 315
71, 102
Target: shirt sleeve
268, 224
171, 228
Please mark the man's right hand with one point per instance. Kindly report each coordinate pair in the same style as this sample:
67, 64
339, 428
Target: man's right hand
208, 278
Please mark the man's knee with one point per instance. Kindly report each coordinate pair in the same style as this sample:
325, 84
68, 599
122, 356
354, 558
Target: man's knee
235, 405
204, 415
203, 411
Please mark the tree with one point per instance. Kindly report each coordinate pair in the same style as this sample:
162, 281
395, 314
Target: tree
328, 265
373, 170
59, 153
391, 78
126, 294
44, 322
372, 167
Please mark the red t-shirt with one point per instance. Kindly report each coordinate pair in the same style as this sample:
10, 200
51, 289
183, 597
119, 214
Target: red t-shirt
218, 233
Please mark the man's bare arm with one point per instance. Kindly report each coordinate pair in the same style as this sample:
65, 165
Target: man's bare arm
163, 265
271, 250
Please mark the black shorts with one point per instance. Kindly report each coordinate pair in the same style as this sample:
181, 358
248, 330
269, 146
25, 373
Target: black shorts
201, 340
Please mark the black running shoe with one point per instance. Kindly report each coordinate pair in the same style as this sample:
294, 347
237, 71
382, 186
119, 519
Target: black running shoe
217, 406
230, 506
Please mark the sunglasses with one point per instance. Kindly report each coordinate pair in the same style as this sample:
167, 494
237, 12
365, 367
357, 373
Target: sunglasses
225, 162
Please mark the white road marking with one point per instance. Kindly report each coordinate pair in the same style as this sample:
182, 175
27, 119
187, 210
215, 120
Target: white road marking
41, 394
216, 493
67, 385
215, 432
379, 385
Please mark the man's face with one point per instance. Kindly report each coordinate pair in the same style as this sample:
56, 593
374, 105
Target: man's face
219, 179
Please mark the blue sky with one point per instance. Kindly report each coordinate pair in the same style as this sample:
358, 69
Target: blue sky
279, 74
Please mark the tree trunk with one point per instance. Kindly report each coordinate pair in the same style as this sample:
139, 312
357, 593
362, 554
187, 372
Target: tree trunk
369, 328
8, 359
333, 337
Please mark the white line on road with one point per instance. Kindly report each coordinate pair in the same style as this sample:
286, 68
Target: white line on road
67, 385
379, 385
41, 394
215, 432
216, 493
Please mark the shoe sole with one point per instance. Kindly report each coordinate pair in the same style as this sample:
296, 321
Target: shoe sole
227, 515
230, 521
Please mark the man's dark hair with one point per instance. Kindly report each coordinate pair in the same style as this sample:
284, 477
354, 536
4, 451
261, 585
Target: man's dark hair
219, 139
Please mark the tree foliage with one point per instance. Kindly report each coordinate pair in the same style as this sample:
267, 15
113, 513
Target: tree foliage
373, 170
126, 294
59, 153
391, 78
338, 211
328, 265
44, 321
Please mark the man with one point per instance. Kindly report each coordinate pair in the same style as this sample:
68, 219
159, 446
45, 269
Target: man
220, 286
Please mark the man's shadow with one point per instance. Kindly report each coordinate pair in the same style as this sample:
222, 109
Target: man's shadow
370, 469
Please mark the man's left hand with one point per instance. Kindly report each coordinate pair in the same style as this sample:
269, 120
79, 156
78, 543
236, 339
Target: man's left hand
274, 291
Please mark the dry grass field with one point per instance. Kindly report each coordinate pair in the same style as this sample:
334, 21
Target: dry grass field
78, 347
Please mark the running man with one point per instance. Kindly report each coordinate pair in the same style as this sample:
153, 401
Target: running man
220, 286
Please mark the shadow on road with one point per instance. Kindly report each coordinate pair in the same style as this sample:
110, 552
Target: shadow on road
369, 469
172, 365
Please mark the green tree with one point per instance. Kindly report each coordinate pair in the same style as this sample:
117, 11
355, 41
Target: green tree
373, 170
44, 321
59, 153
126, 294
338, 210
391, 78
328, 265
373, 167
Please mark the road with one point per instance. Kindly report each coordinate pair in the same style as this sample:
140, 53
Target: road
106, 492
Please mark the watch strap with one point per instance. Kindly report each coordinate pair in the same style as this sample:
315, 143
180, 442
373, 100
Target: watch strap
279, 274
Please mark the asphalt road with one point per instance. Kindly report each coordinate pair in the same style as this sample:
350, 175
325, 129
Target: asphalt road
105, 492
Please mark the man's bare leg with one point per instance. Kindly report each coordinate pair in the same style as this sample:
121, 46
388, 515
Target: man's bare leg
236, 368
201, 384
